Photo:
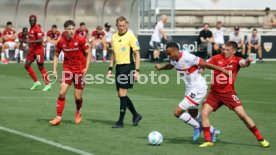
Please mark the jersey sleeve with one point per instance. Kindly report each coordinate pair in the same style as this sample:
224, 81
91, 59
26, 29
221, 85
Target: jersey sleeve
84, 46
39, 33
213, 60
93, 34
134, 44
48, 34
59, 47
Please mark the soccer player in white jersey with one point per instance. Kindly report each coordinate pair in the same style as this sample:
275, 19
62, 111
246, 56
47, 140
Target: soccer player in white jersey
187, 65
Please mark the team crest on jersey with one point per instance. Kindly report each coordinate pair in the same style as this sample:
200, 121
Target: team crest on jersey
267, 46
76, 43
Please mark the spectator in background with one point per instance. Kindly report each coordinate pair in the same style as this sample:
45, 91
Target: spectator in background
98, 41
238, 37
218, 34
254, 42
206, 39
9, 36
108, 34
156, 37
269, 19
83, 31
22, 43
53, 36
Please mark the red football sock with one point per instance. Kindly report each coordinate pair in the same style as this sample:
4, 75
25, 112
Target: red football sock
60, 106
256, 132
207, 134
44, 73
31, 72
78, 104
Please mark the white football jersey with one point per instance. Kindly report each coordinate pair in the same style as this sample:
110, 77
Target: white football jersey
187, 68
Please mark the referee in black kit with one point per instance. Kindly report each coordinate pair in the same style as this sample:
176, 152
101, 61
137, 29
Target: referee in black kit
126, 56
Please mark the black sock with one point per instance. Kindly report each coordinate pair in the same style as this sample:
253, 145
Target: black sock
131, 107
123, 106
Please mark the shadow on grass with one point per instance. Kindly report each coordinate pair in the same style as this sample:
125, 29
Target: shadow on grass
106, 122
47, 121
236, 143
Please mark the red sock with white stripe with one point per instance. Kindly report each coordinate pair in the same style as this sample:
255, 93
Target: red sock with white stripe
257, 133
187, 118
207, 134
60, 106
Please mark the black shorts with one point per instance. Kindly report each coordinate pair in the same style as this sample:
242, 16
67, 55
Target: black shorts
125, 76
156, 45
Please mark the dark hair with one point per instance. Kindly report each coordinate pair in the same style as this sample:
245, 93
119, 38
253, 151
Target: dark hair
172, 45
68, 23
25, 29
121, 18
206, 24
9, 23
232, 44
254, 29
99, 28
54, 26
82, 23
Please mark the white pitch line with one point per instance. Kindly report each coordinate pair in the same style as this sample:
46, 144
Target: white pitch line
64, 147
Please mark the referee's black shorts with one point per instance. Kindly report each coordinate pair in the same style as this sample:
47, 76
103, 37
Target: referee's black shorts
125, 76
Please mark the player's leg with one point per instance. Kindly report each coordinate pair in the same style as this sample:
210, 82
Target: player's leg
104, 50
3, 60
16, 52
260, 54
94, 56
61, 56
156, 51
250, 125
43, 71
122, 93
48, 50
6, 49
78, 101
29, 59
60, 102
249, 47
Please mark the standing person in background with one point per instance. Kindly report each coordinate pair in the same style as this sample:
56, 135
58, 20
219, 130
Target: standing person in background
157, 36
126, 56
269, 19
36, 52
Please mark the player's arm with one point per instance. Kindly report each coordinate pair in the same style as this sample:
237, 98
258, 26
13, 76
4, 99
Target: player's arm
165, 67
137, 64
112, 60
205, 64
163, 33
88, 58
245, 62
55, 62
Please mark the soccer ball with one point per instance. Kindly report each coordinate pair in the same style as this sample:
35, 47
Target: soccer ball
155, 138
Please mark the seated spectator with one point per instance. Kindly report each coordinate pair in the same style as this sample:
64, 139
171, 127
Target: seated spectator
9, 36
53, 36
218, 34
98, 41
206, 39
22, 43
83, 31
254, 42
238, 37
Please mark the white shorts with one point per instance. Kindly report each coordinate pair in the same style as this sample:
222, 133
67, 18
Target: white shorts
11, 45
193, 98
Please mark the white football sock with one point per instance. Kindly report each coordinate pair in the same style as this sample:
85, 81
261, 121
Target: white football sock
104, 53
48, 49
187, 118
2, 56
21, 54
16, 52
94, 53
7, 53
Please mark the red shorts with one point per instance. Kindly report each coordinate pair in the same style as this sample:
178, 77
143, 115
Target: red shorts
215, 100
69, 77
31, 56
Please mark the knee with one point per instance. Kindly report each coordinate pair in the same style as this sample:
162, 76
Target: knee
27, 66
243, 116
204, 113
61, 95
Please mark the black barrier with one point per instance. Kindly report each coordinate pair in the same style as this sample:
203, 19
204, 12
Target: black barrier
190, 42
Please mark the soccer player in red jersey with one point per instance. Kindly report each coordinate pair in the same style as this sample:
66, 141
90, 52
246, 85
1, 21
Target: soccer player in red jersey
83, 31
53, 36
98, 39
22, 43
223, 93
77, 57
9, 36
36, 52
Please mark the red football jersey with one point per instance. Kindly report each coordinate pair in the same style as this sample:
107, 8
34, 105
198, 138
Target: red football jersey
82, 33
35, 33
220, 82
9, 32
74, 53
53, 35
21, 37
97, 35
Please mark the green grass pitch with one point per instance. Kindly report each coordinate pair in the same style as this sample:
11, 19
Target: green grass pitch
29, 112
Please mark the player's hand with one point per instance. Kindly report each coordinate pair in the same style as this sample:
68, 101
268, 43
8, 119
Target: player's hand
158, 66
109, 74
249, 60
38, 58
55, 73
136, 75
200, 70
84, 71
